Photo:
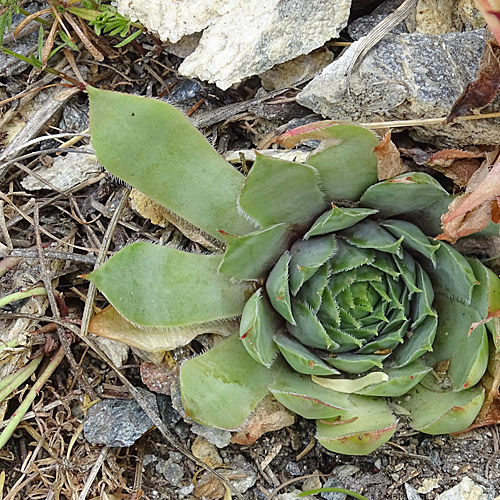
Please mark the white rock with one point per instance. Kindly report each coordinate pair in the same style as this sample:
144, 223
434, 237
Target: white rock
465, 490
428, 485
66, 172
116, 351
241, 38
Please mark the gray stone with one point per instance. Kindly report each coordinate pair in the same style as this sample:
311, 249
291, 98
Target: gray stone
185, 490
171, 471
332, 495
219, 437
247, 478
363, 25
407, 76
293, 468
117, 422
240, 38
75, 117
344, 471
411, 492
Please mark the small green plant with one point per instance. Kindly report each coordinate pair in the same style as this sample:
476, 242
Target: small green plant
350, 310
103, 17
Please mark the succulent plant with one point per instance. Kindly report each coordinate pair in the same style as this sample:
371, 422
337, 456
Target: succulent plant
351, 312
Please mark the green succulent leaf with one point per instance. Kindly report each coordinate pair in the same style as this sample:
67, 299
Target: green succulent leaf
353, 385
259, 324
442, 412
224, 373
277, 191
361, 429
308, 328
401, 380
391, 197
356, 363
493, 306
153, 146
346, 162
369, 234
452, 274
337, 219
300, 395
252, 256
349, 257
300, 358
466, 353
157, 286
414, 239
311, 292
307, 256
278, 289
417, 343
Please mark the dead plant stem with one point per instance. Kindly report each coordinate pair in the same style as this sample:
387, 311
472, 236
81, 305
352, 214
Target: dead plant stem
47, 280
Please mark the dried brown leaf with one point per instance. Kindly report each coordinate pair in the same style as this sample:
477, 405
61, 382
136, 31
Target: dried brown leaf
209, 487
487, 189
28, 20
49, 43
270, 415
460, 171
469, 223
446, 157
96, 54
484, 88
456, 164
491, 12
495, 210
390, 163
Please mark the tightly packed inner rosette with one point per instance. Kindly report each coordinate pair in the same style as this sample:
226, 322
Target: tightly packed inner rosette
351, 312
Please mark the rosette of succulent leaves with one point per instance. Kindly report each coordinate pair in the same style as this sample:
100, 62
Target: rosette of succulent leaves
349, 311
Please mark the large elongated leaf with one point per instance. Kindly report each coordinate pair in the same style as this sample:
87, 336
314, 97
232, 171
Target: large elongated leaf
443, 412
251, 256
467, 354
160, 286
153, 146
277, 191
364, 427
346, 161
223, 386
403, 194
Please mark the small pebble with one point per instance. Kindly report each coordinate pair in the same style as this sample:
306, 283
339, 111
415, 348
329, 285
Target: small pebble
411, 492
117, 422
293, 468
219, 437
171, 471
343, 471
331, 495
